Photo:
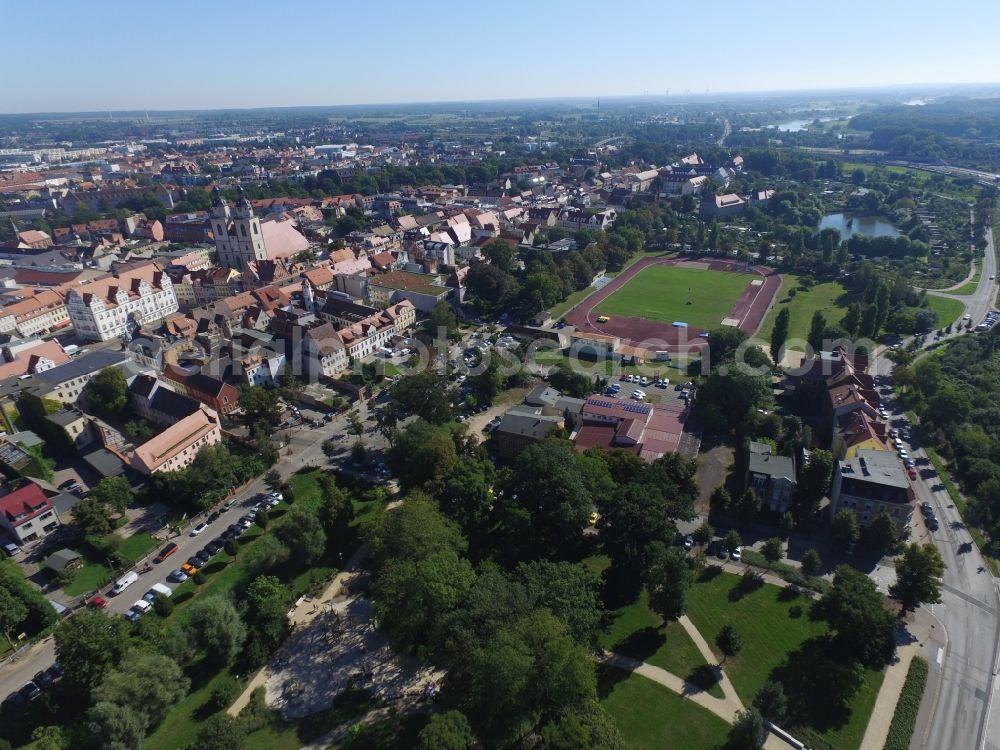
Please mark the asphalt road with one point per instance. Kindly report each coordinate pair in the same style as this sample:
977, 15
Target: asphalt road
963, 674
306, 450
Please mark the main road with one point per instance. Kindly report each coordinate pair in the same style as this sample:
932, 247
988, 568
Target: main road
964, 662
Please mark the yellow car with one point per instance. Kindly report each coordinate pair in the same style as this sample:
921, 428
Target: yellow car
189, 569
603, 319
593, 518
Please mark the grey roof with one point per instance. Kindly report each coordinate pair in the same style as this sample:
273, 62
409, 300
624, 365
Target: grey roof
527, 423
85, 365
59, 559
542, 395
875, 467
64, 417
772, 466
104, 462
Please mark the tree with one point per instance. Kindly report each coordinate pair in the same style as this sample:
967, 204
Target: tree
273, 480
92, 517
780, 334
12, 613
549, 488
329, 448
632, 523
107, 392
441, 320
144, 683
115, 492
816, 330
413, 596
814, 481
882, 533
163, 605
215, 627
260, 405
720, 499
918, 577
570, 591
221, 732
266, 611
858, 176
811, 562
424, 395
301, 531
733, 540
526, 671
748, 731
589, 727
337, 511
772, 702
863, 628
88, 645
728, 641
113, 727
704, 534
852, 319
412, 531
448, 731
500, 254
668, 582
49, 738
844, 527
749, 504
354, 424
787, 524
773, 550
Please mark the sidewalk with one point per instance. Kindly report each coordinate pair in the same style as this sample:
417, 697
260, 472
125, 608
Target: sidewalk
706, 653
920, 626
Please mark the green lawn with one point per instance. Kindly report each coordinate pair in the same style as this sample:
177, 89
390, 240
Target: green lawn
781, 641
948, 310
801, 307
669, 293
652, 717
89, 577
638, 632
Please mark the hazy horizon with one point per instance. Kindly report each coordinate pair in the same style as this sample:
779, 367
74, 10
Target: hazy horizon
229, 55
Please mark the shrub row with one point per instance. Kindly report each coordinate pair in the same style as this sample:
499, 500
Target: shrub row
905, 717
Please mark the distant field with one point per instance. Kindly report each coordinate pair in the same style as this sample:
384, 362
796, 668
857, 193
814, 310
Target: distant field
802, 305
671, 293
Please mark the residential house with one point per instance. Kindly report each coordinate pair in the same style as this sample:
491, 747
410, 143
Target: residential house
722, 206
28, 513
521, 427
112, 305
178, 445
871, 483
771, 476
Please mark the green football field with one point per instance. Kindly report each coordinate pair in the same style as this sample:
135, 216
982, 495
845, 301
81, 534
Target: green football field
671, 293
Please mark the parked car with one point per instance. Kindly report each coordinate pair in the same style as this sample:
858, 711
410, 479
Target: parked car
229, 503
157, 588
926, 508
932, 523
166, 552
98, 601
737, 554
198, 529
688, 542
722, 553
42, 679
214, 517
593, 517
31, 691
11, 549
189, 569
177, 576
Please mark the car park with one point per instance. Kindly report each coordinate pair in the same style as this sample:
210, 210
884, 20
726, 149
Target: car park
177, 576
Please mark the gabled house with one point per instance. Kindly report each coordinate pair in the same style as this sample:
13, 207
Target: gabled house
772, 477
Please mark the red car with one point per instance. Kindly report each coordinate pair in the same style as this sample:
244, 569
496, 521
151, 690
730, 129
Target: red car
165, 553
912, 473
98, 601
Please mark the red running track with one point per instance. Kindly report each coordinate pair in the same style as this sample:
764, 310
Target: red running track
749, 309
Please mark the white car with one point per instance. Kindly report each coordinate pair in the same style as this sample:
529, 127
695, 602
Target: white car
644, 380
198, 529
903, 454
737, 554
638, 395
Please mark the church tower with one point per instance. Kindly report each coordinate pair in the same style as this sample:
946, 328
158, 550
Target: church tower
238, 238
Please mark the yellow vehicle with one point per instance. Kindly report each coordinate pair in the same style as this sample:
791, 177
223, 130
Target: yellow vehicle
593, 518
603, 319
189, 569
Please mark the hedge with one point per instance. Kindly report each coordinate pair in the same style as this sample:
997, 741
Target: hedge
905, 717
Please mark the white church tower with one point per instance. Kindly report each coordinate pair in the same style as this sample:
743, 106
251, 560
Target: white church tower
238, 238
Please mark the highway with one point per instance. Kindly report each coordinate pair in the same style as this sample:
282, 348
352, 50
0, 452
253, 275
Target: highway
964, 662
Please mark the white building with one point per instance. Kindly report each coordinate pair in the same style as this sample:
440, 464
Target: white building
109, 306
238, 237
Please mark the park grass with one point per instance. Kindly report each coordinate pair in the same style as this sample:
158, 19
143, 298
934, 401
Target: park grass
695, 296
948, 310
651, 716
802, 306
94, 574
638, 632
181, 726
781, 641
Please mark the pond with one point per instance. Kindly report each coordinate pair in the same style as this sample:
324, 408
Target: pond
866, 226
794, 126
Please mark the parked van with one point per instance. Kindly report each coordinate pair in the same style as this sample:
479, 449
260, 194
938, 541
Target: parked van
157, 588
124, 582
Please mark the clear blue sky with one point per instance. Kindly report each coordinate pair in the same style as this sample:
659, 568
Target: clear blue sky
67, 55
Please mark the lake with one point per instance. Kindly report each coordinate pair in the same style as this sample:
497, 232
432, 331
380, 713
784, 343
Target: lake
794, 126
866, 226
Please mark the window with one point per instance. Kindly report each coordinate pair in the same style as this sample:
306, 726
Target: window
243, 229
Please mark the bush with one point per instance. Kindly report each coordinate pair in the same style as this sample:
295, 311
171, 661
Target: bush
905, 717
223, 695
262, 519
163, 605
198, 578
232, 547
